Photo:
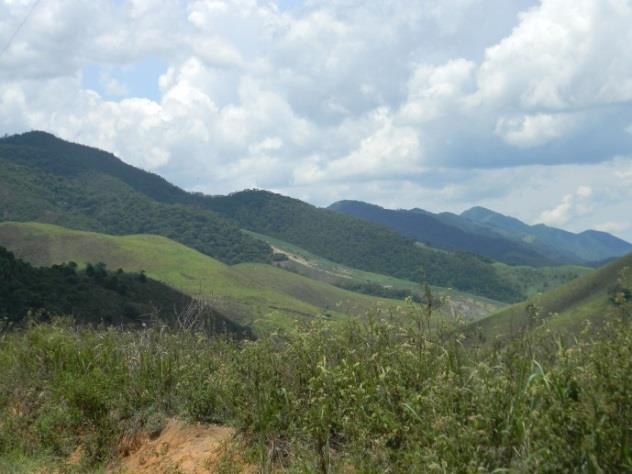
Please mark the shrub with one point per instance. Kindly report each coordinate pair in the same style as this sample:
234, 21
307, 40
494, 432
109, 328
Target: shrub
371, 394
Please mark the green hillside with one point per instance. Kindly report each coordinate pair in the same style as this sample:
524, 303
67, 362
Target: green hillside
49, 180
531, 280
258, 294
312, 266
437, 231
590, 246
566, 308
525, 280
360, 244
45, 179
97, 296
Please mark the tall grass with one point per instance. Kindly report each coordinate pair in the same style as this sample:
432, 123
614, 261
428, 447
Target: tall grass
370, 394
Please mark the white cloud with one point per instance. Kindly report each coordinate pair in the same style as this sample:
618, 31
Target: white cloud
438, 102
560, 214
530, 131
625, 175
113, 87
572, 206
563, 54
584, 191
436, 90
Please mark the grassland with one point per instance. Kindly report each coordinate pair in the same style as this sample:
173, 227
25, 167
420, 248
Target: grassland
532, 281
566, 308
306, 263
253, 294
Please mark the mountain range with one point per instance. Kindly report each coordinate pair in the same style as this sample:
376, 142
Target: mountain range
494, 235
49, 180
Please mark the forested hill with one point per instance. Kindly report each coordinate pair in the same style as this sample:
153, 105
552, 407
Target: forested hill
596, 297
360, 244
94, 295
72, 159
45, 179
588, 246
433, 230
493, 235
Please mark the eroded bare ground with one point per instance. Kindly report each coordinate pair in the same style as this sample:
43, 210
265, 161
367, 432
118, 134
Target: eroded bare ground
185, 449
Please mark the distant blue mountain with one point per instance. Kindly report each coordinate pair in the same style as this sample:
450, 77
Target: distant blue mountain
587, 246
490, 234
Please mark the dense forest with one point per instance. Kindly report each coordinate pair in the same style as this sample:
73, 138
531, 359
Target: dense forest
93, 295
588, 247
49, 180
66, 185
360, 244
432, 230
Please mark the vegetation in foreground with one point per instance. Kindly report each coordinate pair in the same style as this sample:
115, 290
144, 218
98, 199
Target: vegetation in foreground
371, 395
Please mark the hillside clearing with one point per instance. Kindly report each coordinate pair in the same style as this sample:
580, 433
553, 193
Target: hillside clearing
253, 294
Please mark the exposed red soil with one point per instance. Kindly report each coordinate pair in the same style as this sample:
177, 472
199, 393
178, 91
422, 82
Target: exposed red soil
185, 449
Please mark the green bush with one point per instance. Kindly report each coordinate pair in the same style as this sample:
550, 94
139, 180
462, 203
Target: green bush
369, 394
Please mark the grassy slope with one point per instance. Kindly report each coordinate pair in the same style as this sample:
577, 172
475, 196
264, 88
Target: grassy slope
246, 292
528, 280
315, 267
358, 243
565, 308
532, 281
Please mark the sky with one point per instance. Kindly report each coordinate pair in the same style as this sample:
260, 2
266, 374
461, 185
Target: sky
521, 106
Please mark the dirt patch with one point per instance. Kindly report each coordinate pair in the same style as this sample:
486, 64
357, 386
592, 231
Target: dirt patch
292, 256
302, 261
185, 449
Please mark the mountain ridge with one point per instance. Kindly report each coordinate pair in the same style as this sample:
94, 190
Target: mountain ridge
494, 235
438, 232
46, 179
589, 245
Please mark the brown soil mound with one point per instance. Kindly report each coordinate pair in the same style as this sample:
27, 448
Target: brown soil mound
186, 449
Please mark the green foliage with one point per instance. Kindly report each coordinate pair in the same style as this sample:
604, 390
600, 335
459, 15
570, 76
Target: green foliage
378, 290
369, 396
531, 280
95, 296
253, 294
314, 267
360, 244
568, 307
48, 180
449, 232
590, 246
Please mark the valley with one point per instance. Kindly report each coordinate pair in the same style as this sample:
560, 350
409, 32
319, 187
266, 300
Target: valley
144, 327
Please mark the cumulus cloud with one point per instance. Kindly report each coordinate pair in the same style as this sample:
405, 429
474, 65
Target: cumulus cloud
572, 205
446, 103
530, 131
